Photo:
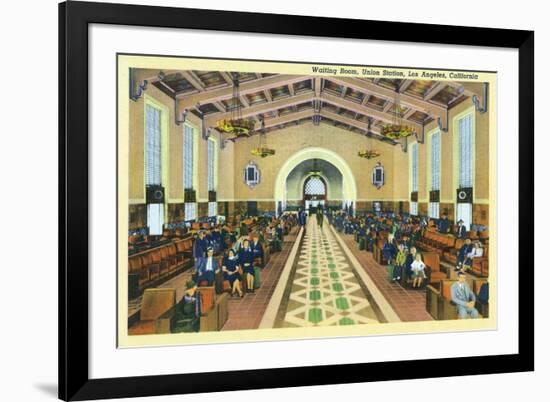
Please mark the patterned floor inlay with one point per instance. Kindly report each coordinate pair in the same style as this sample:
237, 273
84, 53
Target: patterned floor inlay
324, 290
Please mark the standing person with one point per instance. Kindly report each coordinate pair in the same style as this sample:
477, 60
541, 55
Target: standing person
199, 247
389, 251
417, 268
400, 259
411, 256
444, 224
246, 259
461, 229
257, 248
320, 218
301, 217
464, 298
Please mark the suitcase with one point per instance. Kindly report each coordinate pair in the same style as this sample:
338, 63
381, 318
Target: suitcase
186, 325
257, 280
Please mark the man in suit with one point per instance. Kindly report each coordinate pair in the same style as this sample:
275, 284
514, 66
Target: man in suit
207, 268
199, 247
461, 229
463, 253
257, 248
463, 297
444, 224
302, 217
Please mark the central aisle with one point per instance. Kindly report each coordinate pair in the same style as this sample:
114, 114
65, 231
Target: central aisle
324, 288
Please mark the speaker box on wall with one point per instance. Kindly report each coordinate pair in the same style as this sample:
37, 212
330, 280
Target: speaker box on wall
155, 194
465, 195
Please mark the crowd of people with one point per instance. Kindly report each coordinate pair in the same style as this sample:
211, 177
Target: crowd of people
242, 252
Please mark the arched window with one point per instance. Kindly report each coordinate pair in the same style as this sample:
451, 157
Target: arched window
315, 186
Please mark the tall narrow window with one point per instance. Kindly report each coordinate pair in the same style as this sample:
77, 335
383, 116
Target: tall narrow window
465, 165
414, 167
465, 149
414, 177
153, 176
188, 169
152, 146
435, 170
211, 165
188, 148
212, 209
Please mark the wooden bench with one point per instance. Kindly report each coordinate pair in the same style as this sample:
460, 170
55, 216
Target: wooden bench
157, 312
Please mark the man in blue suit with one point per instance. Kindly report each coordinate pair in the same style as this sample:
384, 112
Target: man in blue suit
444, 224
199, 247
463, 297
461, 229
207, 268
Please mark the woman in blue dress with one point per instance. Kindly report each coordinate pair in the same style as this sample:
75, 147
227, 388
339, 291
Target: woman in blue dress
231, 272
246, 259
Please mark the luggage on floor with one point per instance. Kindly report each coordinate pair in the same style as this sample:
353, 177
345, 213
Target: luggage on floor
186, 325
257, 273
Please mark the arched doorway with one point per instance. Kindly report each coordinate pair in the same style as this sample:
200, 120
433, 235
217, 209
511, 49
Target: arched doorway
314, 192
345, 190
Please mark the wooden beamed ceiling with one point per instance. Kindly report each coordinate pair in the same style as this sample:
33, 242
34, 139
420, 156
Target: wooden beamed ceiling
281, 100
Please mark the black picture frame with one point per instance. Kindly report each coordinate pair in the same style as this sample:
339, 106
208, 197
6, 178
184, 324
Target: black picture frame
74, 18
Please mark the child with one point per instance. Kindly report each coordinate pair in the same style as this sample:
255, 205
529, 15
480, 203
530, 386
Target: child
417, 268
400, 259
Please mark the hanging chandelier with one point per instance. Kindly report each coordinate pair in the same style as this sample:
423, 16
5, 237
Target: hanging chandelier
237, 125
315, 172
262, 150
370, 152
397, 130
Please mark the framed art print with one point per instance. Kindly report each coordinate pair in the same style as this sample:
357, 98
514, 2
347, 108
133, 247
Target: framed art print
276, 199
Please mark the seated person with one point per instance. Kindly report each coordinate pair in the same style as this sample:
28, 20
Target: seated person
231, 272
417, 269
257, 248
463, 253
443, 224
475, 252
246, 259
207, 268
188, 310
463, 297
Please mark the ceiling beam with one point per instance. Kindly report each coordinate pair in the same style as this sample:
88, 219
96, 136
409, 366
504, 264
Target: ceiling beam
192, 78
214, 95
227, 77
287, 118
219, 106
364, 110
317, 82
389, 94
435, 89
253, 110
404, 85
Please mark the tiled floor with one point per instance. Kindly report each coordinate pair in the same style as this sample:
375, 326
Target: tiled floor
409, 304
246, 313
324, 289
